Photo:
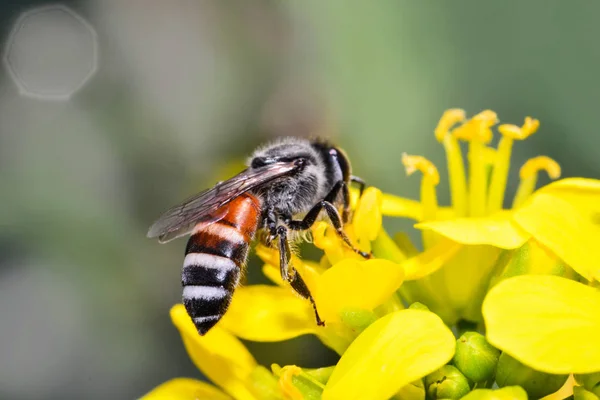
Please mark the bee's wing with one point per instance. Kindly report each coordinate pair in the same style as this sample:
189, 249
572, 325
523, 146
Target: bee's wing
181, 219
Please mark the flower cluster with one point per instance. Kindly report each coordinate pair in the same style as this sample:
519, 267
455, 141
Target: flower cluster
498, 298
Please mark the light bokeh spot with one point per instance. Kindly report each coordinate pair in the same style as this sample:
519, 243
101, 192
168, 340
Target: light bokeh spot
51, 52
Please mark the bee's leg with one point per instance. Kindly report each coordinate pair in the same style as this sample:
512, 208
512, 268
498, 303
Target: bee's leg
345, 201
333, 195
290, 274
270, 224
360, 182
310, 218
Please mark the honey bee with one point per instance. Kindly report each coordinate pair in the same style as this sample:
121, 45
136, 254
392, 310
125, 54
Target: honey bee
284, 189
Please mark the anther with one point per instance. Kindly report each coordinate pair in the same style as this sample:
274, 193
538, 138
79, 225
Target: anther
530, 126
449, 119
477, 128
414, 163
534, 165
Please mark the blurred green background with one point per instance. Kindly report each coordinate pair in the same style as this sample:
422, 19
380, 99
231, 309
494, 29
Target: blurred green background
182, 89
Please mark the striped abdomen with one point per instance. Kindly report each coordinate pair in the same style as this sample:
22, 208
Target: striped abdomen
215, 255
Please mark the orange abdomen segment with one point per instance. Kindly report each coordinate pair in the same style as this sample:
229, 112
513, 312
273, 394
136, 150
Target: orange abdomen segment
215, 254
242, 215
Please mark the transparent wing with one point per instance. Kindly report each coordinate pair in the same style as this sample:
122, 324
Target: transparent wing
181, 219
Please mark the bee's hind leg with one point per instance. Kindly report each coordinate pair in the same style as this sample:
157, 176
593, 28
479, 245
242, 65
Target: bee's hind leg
290, 274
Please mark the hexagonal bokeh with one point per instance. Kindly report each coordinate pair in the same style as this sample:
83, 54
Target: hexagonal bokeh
51, 52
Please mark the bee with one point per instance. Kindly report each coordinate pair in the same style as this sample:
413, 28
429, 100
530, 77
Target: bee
284, 189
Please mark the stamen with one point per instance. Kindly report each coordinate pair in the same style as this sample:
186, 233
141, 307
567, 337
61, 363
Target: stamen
536, 164
530, 126
477, 131
477, 128
502, 162
489, 155
450, 118
285, 382
431, 178
529, 174
420, 163
456, 175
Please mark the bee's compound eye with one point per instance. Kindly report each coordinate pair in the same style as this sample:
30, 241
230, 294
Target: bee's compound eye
258, 162
300, 162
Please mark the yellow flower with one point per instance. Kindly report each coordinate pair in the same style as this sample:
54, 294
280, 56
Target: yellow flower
477, 222
223, 359
546, 322
527, 276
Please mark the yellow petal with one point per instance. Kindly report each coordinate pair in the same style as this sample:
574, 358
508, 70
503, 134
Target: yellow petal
558, 225
273, 274
412, 391
268, 314
461, 282
218, 354
395, 206
186, 389
356, 284
354, 196
392, 352
549, 323
367, 217
326, 238
506, 393
385, 247
582, 193
564, 392
497, 230
430, 260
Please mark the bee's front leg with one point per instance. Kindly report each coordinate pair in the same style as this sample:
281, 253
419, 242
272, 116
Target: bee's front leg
270, 218
290, 274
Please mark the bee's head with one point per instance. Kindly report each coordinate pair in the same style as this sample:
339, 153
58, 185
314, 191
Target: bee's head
284, 150
300, 190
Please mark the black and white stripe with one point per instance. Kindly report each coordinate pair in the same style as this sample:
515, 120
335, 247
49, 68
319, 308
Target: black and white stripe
235, 252
208, 282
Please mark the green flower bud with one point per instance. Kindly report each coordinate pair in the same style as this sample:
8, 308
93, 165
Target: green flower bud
413, 391
537, 384
320, 375
264, 384
446, 383
418, 306
509, 392
589, 381
475, 357
309, 390
357, 319
529, 259
580, 393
